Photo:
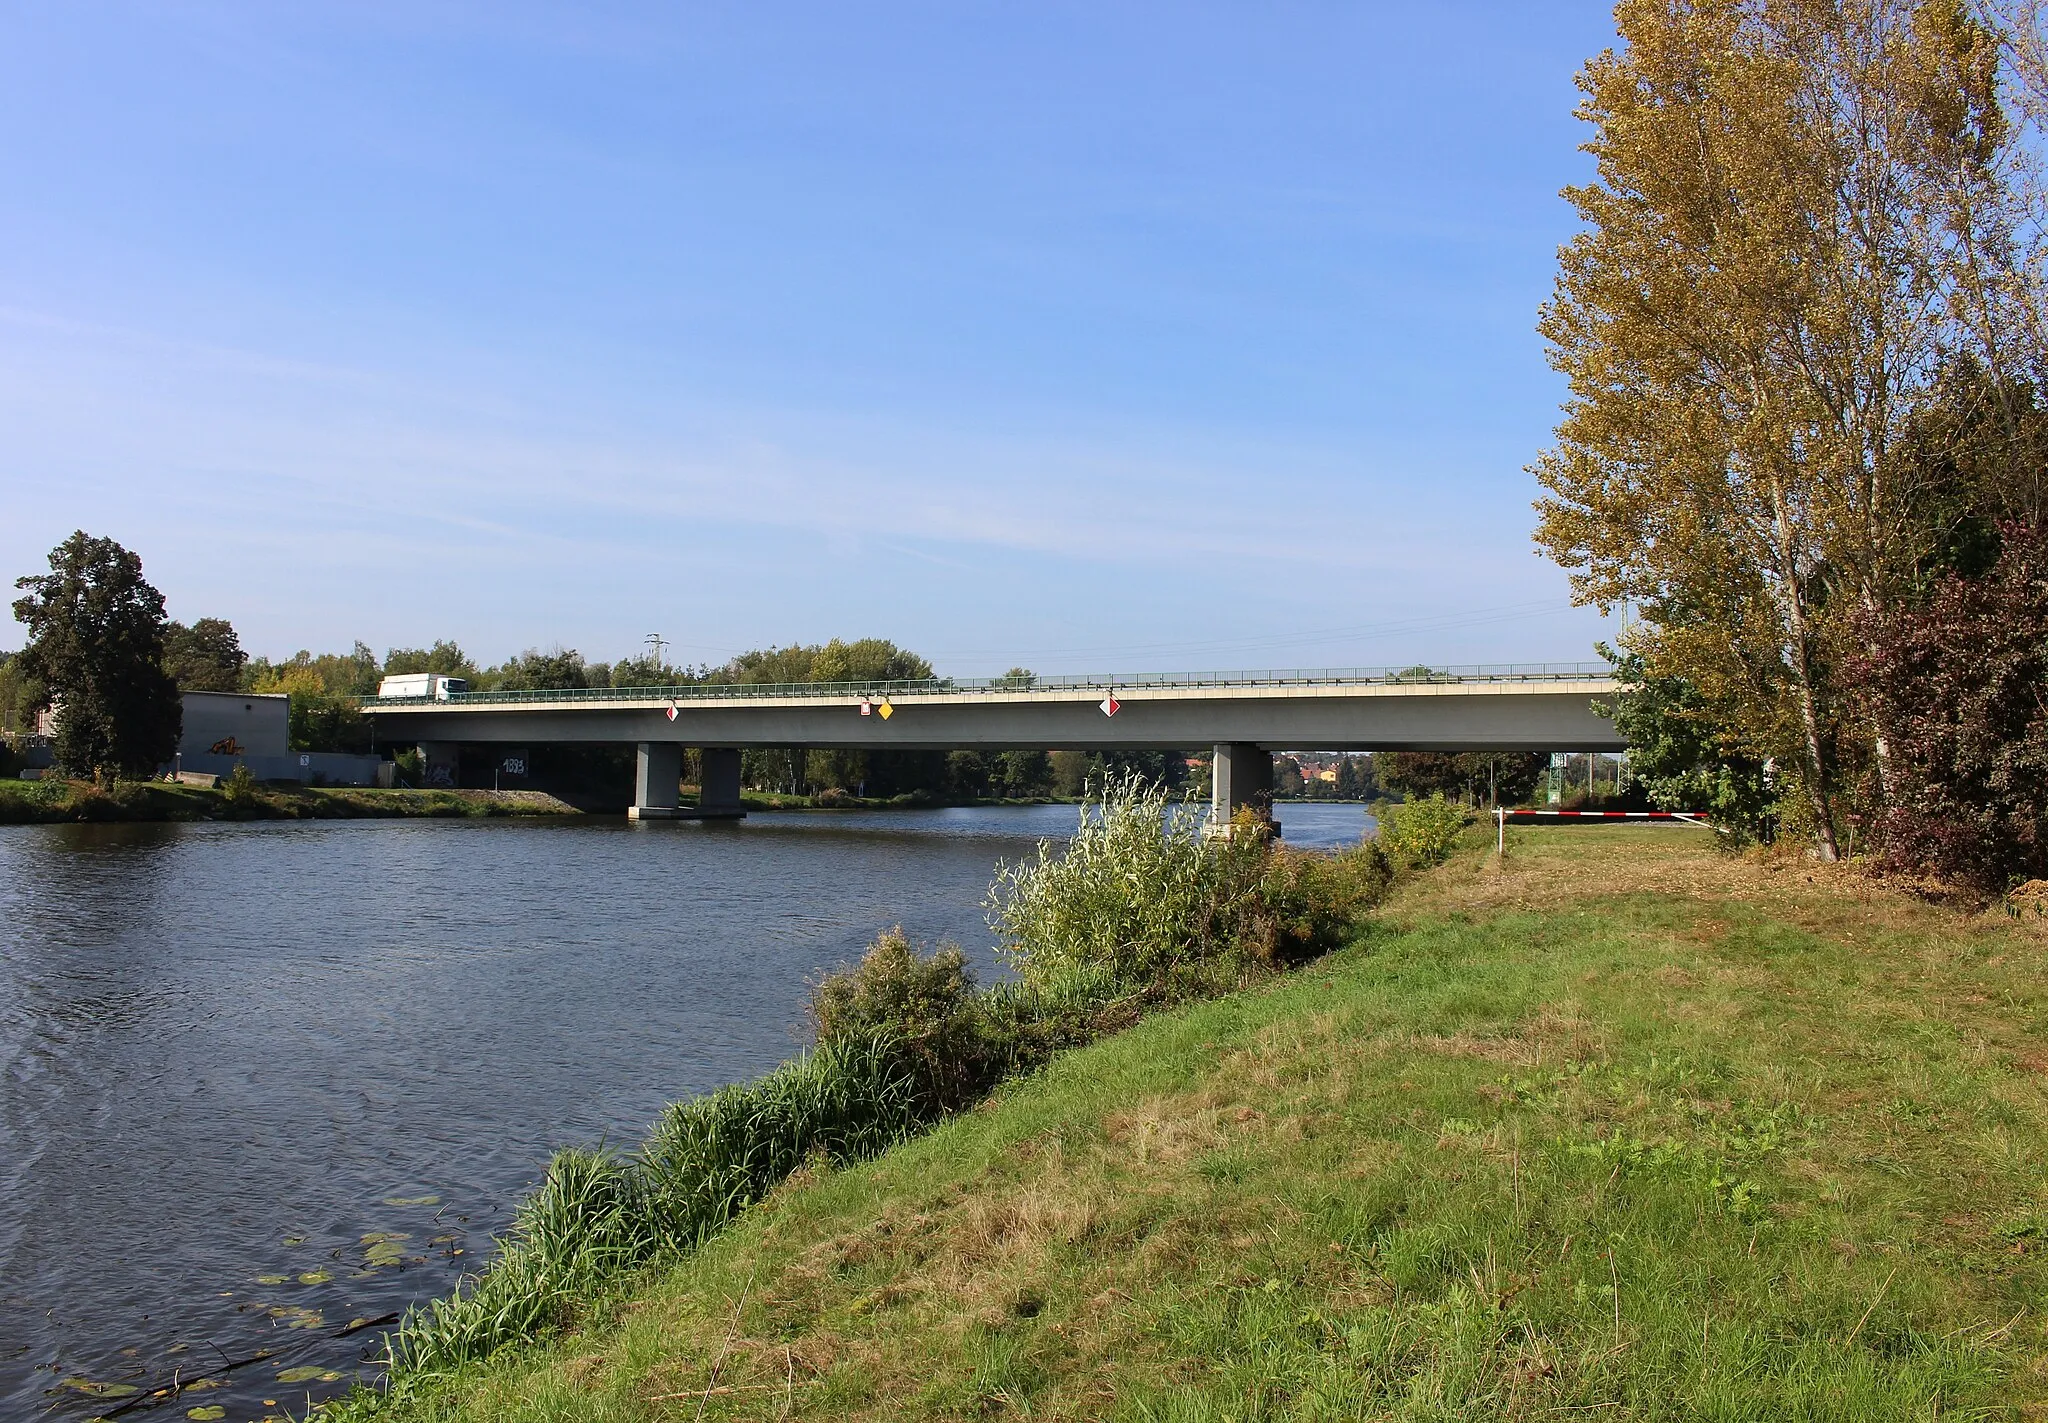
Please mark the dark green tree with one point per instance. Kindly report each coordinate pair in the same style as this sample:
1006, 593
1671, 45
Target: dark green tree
205, 657
443, 657
1679, 760
559, 670
96, 648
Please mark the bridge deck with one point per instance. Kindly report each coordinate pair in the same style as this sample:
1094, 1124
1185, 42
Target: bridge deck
1546, 707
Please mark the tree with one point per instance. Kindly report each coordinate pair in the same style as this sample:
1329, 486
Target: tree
205, 657
446, 658
1287, 778
1499, 777
1357, 778
868, 661
1958, 689
1680, 760
96, 649
1793, 202
561, 669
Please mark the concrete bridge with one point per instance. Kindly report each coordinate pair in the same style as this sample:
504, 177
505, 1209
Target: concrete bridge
1244, 716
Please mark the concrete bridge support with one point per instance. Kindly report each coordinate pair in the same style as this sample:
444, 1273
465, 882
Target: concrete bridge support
657, 772
1241, 779
441, 763
718, 783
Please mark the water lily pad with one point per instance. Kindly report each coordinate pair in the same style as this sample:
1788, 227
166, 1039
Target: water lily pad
384, 1253
201, 1385
206, 1413
307, 1373
272, 1279
295, 1240
378, 1237
315, 1277
101, 1390
412, 1200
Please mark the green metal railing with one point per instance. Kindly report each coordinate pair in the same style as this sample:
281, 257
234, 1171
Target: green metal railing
981, 686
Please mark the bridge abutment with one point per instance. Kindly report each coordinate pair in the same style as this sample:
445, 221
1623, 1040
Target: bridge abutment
441, 763
1241, 778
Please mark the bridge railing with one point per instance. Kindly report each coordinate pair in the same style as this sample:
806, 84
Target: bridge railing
978, 686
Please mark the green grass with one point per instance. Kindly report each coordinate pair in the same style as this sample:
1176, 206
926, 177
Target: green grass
1622, 1131
48, 802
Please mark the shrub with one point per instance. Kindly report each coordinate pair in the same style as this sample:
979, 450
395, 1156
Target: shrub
1956, 690
1137, 900
1306, 904
239, 787
1420, 833
926, 1004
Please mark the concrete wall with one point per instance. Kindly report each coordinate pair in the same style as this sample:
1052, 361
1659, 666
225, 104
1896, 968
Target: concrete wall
328, 767
258, 726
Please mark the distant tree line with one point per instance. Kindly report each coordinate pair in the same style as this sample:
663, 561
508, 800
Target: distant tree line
102, 648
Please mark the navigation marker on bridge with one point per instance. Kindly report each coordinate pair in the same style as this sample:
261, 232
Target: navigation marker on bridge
671, 711
886, 710
1110, 705
867, 708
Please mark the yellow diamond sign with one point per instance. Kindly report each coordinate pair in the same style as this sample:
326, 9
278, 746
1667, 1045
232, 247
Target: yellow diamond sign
886, 711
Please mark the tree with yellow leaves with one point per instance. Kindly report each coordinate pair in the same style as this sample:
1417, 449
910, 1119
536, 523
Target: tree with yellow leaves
1793, 200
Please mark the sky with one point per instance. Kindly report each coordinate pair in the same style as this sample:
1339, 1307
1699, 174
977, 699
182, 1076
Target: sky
1083, 337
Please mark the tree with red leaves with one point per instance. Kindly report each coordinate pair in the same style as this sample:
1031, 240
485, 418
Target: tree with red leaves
1959, 689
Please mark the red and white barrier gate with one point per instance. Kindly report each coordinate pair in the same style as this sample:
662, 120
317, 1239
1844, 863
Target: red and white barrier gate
1688, 817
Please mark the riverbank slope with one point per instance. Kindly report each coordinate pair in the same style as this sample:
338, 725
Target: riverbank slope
55, 802
1622, 1126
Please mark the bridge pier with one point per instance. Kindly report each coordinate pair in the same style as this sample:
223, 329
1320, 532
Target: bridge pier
1241, 778
718, 783
657, 772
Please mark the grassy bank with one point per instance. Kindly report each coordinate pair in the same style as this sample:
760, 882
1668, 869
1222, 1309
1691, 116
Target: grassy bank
49, 802
1626, 1130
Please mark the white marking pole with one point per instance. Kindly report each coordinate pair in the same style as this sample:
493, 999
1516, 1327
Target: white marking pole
1500, 849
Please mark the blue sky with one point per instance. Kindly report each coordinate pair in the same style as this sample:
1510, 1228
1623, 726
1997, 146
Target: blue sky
1088, 337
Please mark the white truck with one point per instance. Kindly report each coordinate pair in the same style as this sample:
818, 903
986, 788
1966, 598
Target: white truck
422, 684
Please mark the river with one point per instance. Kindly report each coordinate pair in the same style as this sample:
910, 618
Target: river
263, 1082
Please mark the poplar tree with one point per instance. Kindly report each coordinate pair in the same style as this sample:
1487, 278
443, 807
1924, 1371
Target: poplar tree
1772, 278
96, 648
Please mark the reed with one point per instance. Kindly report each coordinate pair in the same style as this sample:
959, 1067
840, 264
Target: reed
599, 1215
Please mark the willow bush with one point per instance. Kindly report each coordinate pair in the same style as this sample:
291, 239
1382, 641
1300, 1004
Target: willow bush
1138, 899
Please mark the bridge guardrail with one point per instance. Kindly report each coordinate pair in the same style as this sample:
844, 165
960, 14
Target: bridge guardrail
969, 686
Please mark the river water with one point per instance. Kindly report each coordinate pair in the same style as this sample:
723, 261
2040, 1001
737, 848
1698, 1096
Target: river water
260, 1083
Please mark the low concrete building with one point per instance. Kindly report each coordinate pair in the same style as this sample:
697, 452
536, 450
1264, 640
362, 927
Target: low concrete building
236, 724
224, 729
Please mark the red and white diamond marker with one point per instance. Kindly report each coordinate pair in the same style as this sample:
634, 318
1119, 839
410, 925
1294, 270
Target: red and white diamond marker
867, 708
1110, 705
671, 711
